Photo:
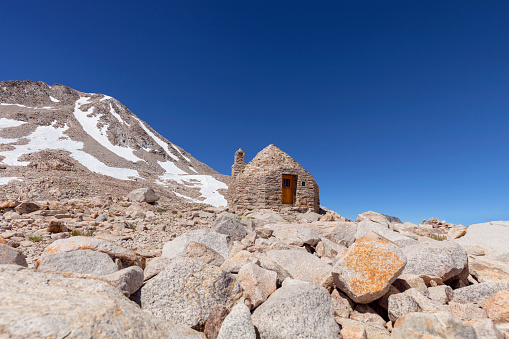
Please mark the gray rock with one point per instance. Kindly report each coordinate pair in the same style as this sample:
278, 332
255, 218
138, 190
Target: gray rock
41, 305
297, 311
127, 280
479, 292
155, 266
343, 234
27, 207
257, 283
144, 194
238, 324
443, 259
201, 252
485, 329
187, 290
79, 261
401, 304
309, 216
466, 312
343, 307
126, 257
229, 224
366, 314
365, 226
216, 241
378, 218
302, 265
267, 216
11, 256
441, 294
269, 264
492, 237
308, 237
373, 330
235, 263
432, 325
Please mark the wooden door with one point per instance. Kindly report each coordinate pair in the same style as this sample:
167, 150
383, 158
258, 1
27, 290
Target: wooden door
288, 191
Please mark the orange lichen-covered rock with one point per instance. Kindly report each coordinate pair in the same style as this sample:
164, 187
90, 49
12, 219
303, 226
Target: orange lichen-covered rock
368, 269
2, 241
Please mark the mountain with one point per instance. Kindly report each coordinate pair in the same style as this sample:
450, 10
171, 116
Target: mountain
57, 142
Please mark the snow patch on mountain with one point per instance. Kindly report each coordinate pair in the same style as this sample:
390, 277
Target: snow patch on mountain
207, 184
6, 180
90, 124
53, 138
158, 140
53, 99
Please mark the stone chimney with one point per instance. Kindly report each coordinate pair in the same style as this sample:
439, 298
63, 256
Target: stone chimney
239, 164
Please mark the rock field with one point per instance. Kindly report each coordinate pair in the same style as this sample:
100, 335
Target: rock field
119, 267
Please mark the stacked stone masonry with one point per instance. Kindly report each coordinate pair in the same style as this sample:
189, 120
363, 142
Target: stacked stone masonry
259, 184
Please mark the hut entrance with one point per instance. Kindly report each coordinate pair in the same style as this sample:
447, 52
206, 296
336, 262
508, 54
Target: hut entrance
289, 188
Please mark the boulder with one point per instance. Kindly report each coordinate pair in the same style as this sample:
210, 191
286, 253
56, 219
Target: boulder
368, 269
213, 324
327, 248
373, 330
11, 256
234, 264
79, 261
441, 294
442, 259
401, 304
479, 292
301, 265
492, 237
143, 194
497, 307
354, 332
41, 305
267, 216
229, 224
201, 252
343, 307
126, 256
297, 311
364, 227
238, 324
127, 280
378, 218
431, 326
213, 240
309, 217
465, 312
366, 314
343, 234
155, 266
257, 283
187, 290
56, 226
27, 207
485, 329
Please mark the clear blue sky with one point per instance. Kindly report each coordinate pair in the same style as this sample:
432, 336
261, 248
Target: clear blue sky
400, 107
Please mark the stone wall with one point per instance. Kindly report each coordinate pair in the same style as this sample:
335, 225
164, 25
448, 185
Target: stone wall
259, 185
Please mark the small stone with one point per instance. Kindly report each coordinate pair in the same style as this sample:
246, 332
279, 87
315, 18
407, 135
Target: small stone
229, 224
56, 226
343, 307
26, 207
143, 195
441, 294
401, 304
354, 332
11, 256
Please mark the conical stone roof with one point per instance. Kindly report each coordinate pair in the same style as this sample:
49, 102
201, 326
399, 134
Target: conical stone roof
271, 157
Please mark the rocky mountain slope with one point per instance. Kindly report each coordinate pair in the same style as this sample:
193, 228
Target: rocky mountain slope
56, 142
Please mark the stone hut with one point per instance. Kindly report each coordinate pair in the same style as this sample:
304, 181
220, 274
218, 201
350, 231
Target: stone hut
271, 180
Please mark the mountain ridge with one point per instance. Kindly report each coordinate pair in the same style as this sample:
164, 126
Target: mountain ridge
94, 134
